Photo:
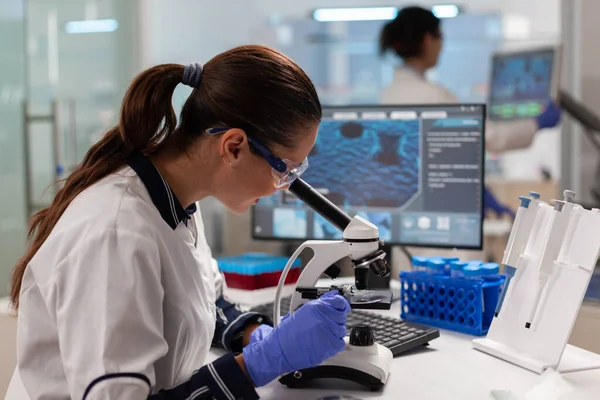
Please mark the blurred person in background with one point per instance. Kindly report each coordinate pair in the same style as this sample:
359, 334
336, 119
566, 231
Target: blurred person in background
416, 37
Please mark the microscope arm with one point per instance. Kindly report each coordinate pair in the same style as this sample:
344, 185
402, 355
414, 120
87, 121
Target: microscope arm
326, 253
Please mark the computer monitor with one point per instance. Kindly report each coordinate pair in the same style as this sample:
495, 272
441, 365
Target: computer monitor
414, 171
522, 82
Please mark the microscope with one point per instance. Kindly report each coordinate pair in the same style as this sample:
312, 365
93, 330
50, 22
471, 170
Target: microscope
362, 361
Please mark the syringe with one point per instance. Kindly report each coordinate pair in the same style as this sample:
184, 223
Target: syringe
564, 211
517, 240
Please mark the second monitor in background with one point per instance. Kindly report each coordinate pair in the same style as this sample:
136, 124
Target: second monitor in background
523, 82
414, 171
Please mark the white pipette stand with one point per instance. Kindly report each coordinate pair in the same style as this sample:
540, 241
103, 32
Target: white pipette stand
553, 270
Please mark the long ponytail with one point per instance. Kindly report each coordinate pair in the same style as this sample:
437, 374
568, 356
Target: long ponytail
147, 119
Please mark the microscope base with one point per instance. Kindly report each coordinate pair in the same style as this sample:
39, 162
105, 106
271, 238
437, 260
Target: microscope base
368, 366
303, 378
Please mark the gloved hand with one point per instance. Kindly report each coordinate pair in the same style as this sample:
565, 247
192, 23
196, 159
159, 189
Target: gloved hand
490, 203
261, 332
550, 117
311, 335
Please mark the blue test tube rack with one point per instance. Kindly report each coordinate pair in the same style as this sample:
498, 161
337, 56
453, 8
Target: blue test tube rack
457, 304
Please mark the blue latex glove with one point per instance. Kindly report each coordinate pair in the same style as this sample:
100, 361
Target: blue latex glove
261, 332
311, 335
550, 117
490, 203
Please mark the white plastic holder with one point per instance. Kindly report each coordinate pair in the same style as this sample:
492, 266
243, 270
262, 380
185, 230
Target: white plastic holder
544, 344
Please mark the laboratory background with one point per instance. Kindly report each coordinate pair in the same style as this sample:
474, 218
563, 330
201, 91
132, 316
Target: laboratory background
65, 66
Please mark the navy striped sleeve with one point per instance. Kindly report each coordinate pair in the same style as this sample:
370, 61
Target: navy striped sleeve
230, 324
221, 380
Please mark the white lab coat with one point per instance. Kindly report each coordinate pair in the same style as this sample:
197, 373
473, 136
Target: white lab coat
409, 87
113, 290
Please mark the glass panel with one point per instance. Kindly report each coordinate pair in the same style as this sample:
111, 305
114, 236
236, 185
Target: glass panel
12, 178
48, 57
72, 53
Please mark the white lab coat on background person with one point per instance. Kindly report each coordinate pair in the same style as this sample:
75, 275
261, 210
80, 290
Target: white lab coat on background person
410, 87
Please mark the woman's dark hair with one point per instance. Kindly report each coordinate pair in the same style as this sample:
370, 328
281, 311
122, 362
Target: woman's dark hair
254, 88
405, 34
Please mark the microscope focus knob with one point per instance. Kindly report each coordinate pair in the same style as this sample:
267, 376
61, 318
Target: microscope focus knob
362, 336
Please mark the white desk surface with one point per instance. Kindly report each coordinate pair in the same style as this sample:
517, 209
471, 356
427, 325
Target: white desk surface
449, 368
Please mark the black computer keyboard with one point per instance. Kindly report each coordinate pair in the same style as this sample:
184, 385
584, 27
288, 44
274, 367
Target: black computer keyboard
397, 335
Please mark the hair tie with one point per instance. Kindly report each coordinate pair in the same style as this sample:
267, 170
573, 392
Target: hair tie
192, 75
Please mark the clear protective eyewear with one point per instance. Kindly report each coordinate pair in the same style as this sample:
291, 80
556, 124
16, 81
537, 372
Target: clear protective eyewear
284, 171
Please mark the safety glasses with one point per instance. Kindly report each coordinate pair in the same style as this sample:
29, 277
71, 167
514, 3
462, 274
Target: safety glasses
283, 170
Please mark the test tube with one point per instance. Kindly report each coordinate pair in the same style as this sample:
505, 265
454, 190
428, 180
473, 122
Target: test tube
448, 261
473, 272
490, 271
435, 266
419, 264
456, 269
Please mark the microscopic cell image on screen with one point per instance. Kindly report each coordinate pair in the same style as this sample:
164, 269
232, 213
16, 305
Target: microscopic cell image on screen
288, 222
383, 221
324, 230
414, 171
366, 163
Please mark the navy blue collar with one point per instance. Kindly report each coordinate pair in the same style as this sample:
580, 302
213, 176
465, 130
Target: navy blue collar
161, 193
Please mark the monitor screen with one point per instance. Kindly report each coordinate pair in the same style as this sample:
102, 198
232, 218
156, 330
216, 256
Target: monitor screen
414, 171
522, 83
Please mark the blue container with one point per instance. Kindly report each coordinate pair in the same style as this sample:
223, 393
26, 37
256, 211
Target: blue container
449, 303
255, 263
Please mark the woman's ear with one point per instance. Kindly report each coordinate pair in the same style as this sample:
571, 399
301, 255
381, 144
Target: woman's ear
232, 144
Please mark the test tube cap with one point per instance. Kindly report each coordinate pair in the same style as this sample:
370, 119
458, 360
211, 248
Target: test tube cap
419, 261
474, 263
458, 265
436, 264
450, 259
535, 195
490, 269
525, 201
472, 270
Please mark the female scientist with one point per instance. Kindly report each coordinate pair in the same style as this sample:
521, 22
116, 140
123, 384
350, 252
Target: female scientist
415, 36
116, 294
